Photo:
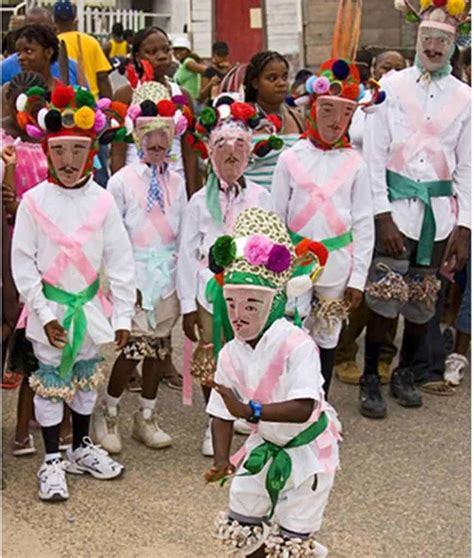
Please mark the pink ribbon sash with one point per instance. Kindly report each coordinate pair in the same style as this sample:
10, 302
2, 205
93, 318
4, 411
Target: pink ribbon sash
320, 196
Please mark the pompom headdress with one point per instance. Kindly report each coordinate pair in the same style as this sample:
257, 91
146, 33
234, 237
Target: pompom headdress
261, 253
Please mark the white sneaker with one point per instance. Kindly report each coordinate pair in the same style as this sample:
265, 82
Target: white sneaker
93, 460
207, 446
454, 368
52, 481
149, 433
241, 426
105, 430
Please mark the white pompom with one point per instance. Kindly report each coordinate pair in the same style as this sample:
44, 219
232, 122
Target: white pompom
41, 118
114, 123
401, 6
128, 125
224, 111
298, 286
21, 101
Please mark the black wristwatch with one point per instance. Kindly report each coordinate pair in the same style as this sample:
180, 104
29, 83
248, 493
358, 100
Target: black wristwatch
256, 412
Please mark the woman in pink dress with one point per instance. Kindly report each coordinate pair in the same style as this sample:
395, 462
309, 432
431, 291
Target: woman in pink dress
24, 165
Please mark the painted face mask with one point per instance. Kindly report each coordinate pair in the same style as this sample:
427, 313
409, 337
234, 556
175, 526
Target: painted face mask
155, 136
333, 115
229, 151
434, 46
248, 308
68, 156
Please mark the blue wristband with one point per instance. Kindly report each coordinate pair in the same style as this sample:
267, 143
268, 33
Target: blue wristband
256, 411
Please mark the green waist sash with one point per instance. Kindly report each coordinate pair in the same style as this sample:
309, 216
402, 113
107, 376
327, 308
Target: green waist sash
403, 188
280, 469
74, 316
332, 244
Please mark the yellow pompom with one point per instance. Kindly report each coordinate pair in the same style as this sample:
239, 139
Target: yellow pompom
455, 7
425, 4
84, 118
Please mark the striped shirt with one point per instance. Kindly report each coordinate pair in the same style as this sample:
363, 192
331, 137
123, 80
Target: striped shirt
260, 169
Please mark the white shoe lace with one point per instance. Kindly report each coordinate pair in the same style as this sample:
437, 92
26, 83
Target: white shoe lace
93, 448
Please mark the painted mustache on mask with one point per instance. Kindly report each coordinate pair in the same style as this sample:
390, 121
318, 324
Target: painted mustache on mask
68, 169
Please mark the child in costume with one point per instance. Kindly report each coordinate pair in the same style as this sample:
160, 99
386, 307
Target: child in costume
151, 200
68, 230
320, 190
270, 375
418, 147
211, 212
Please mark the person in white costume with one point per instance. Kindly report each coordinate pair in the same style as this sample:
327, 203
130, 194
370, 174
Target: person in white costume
418, 151
211, 212
320, 190
270, 375
67, 231
151, 199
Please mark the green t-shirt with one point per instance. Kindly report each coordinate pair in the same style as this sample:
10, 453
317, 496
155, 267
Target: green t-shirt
190, 81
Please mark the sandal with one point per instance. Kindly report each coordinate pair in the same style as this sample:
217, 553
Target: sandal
437, 387
11, 380
65, 442
27, 447
174, 382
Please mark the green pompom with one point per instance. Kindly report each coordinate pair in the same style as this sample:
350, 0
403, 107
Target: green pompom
120, 134
411, 17
224, 251
328, 74
464, 28
37, 91
84, 98
276, 143
208, 117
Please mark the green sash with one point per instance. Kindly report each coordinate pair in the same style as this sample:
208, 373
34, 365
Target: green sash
74, 317
332, 244
280, 469
402, 188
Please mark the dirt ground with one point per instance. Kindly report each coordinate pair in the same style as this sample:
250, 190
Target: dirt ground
403, 490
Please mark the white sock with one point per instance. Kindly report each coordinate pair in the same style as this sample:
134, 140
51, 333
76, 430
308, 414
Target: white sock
112, 403
52, 456
147, 406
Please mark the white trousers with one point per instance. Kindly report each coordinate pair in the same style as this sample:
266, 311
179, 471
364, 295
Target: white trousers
50, 413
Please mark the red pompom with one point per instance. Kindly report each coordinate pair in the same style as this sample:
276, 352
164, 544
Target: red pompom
242, 111
320, 251
188, 114
200, 129
219, 277
275, 120
439, 3
120, 108
190, 139
201, 147
131, 75
62, 95
350, 91
166, 108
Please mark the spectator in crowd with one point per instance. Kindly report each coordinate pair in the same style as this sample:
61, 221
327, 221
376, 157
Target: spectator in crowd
26, 167
84, 49
364, 59
128, 35
387, 62
10, 66
215, 72
297, 87
191, 67
116, 46
153, 45
266, 86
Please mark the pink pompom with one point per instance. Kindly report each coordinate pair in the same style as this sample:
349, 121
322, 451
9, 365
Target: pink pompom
104, 103
34, 131
321, 85
100, 121
134, 112
257, 249
181, 126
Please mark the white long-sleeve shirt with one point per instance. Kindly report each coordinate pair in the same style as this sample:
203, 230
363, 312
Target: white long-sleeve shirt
352, 201
390, 126
107, 249
200, 231
301, 379
134, 216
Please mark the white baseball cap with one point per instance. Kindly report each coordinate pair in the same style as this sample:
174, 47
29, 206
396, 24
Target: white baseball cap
182, 42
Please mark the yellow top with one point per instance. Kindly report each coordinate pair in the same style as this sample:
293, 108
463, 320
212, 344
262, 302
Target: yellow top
88, 53
117, 48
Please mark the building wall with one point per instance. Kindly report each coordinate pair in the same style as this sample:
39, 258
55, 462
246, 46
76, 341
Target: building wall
201, 27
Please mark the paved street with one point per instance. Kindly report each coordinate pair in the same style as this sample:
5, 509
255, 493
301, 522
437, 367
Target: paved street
403, 490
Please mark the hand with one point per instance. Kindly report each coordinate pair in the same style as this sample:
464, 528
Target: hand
215, 80
457, 253
190, 323
9, 155
56, 334
389, 234
121, 338
9, 199
234, 406
139, 300
219, 470
353, 297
